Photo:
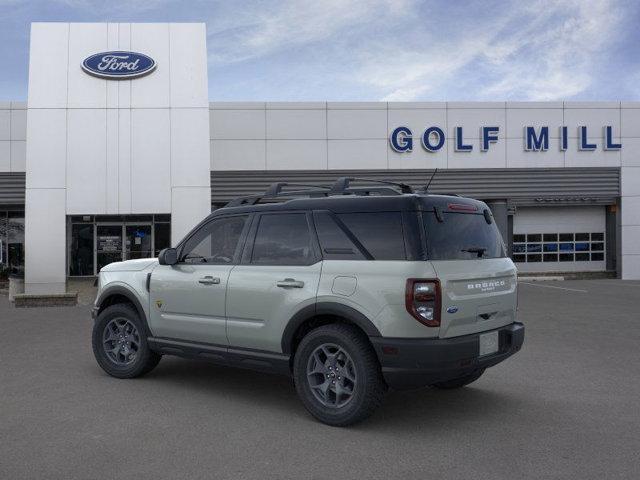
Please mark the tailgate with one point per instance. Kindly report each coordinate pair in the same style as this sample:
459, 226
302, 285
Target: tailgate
477, 295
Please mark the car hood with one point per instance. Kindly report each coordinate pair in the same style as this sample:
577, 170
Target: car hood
130, 265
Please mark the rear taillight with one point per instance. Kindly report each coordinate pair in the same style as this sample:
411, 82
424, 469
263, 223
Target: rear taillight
422, 298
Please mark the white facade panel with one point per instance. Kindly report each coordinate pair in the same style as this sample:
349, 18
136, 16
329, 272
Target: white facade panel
5, 124
417, 120
124, 161
472, 119
86, 91
418, 157
86, 161
49, 49
495, 157
124, 86
45, 241
296, 154
188, 62
596, 158
5, 156
630, 122
46, 148
296, 124
247, 124
111, 162
592, 118
357, 124
630, 234
190, 205
630, 213
18, 156
630, 153
518, 118
518, 157
150, 160
357, 154
189, 139
154, 90
238, 155
18, 124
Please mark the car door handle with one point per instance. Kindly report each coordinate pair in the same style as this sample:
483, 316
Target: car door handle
209, 280
290, 283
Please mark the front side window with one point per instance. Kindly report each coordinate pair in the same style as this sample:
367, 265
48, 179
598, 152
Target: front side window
462, 236
216, 242
283, 239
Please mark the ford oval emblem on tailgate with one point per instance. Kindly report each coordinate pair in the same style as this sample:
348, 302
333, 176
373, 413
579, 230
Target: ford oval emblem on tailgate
452, 309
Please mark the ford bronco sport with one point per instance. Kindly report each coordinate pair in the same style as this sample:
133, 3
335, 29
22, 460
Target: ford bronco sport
349, 290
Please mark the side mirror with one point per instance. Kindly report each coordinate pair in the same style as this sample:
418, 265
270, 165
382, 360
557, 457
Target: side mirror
168, 256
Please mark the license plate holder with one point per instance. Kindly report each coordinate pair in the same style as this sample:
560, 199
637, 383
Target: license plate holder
489, 343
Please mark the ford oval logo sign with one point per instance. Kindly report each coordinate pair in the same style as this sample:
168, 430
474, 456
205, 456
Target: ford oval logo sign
118, 65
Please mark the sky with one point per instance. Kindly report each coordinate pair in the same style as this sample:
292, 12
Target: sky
377, 50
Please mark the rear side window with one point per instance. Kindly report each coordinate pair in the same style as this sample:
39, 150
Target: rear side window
380, 233
462, 236
283, 239
334, 242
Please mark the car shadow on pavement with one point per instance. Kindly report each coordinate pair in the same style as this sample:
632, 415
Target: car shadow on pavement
400, 410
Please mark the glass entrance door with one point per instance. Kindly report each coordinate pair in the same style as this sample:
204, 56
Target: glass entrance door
108, 245
138, 241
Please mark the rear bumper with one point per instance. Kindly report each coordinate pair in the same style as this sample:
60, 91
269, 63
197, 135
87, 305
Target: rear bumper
417, 362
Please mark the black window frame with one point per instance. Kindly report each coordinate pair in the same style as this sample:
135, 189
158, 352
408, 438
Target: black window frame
241, 241
247, 251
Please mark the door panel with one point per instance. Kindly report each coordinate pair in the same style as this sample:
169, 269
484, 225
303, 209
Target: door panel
279, 276
261, 299
188, 299
188, 302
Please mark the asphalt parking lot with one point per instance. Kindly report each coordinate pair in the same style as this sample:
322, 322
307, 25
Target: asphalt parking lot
566, 406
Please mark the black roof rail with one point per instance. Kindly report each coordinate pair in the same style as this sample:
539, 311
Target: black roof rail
275, 190
341, 186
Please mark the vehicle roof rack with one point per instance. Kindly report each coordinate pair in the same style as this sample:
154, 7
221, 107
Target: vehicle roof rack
341, 186
275, 190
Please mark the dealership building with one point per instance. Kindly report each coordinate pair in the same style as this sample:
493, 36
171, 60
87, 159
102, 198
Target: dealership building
118, 152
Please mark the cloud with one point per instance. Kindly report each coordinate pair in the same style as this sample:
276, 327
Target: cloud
545, 50
254, 33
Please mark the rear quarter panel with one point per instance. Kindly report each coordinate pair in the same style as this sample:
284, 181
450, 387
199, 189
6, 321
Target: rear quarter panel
379, 292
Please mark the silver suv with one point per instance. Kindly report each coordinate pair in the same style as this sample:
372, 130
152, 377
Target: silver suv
349, 290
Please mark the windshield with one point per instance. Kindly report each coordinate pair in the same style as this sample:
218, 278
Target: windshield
462, 236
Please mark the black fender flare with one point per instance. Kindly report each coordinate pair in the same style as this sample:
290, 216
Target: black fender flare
129, 295
326, 308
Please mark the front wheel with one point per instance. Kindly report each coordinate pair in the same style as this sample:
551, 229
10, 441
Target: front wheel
120, 343
337, 375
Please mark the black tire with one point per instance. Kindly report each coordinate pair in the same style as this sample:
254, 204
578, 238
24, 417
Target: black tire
460, 381
139, 361
367, 389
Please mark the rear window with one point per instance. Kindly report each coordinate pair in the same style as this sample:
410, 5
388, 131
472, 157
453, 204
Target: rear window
380, 233
462, 236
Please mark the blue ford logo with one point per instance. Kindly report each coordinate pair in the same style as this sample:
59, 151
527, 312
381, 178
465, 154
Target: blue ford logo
453, 309
118, 65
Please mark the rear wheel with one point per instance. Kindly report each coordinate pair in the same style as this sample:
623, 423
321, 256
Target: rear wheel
337, 375
120, 343
459, 382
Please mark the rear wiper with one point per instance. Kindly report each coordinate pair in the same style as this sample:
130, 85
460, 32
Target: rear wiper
479, 250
